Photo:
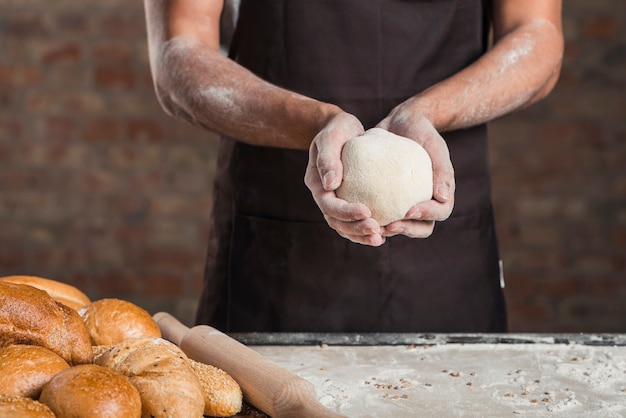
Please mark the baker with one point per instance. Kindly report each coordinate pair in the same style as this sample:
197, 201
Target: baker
301, 79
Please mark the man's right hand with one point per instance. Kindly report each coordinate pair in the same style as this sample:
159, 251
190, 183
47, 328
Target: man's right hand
324, 174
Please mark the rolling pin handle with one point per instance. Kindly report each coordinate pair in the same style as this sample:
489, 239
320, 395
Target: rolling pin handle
171, 328
265, 385
270, 388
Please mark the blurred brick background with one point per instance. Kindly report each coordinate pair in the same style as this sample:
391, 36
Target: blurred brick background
99, 188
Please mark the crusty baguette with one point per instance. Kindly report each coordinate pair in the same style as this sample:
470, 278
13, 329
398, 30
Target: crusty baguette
161, 372
30, 316
111, 321
25, 369
13, 406
91, 391
61, 292
222, 394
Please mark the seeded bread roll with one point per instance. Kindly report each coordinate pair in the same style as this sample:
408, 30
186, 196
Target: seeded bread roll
12, 406
161, 372
30, 316
100, 349
111, 321
25, 369
91, 391
222, 394
59, 291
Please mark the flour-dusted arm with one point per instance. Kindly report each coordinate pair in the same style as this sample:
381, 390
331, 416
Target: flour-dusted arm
521, 68
197, 83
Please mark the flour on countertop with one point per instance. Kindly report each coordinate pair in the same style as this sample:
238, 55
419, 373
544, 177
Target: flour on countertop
454, 380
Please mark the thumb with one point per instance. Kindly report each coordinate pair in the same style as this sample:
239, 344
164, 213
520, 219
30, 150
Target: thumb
329, 163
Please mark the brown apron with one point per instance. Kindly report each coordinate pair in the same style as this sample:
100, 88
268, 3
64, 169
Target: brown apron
273, 263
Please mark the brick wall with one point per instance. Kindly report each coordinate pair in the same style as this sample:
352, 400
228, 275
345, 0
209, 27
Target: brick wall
560, 185
100, 189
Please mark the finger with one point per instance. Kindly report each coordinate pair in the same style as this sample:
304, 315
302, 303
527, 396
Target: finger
312, 177
431, 210
365, 231
328, 162
371, 240
410, 228
335, 208
328, 202
443, 171
329, 143
362, 227
444, 184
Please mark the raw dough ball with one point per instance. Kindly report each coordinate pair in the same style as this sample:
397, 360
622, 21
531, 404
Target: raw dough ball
386, 172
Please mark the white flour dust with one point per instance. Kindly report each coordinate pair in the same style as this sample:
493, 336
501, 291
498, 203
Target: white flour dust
456, 380
223, 98
522, 47
202, 85
511, 63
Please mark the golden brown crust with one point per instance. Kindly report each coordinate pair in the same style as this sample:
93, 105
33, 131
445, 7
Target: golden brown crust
91, 391
111, 321
222, 394
160, 371
25, 369
99, 350
30, 316
23, 407
61, 292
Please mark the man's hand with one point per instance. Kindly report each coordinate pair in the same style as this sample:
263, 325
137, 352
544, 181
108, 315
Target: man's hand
324, 174
420, 220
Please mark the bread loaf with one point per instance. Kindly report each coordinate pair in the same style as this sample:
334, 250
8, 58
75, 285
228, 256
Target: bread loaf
222, 394
30, 316
91, 391
161, 372
59, 291
111, 321
100, 349
25, 369
12, 406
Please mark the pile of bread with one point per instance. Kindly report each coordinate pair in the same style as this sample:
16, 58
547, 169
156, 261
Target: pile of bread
62, 355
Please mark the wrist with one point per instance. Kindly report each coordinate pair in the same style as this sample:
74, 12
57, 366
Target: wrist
327, 113
421, 108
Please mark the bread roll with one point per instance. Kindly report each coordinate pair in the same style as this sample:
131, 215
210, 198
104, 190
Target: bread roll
12, 406
59, 291
161, 372
25, 369
91, 391
387, 173
222, 394
30, 316
100, 349
111, 321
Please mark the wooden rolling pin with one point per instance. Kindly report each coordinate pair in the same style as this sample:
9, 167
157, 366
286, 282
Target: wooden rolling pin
265, 385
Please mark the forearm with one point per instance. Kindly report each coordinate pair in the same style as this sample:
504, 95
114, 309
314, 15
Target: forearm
520, 69
209, 90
